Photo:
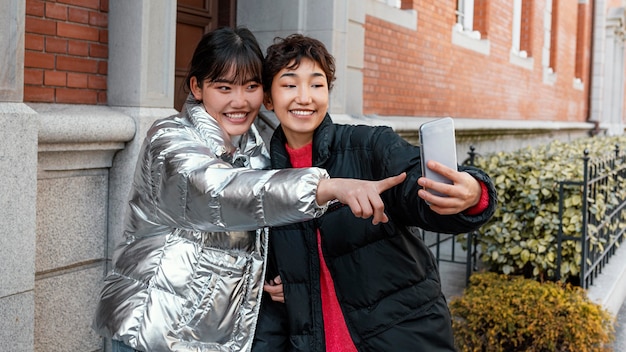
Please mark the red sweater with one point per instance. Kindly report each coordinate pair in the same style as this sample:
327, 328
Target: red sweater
335, 330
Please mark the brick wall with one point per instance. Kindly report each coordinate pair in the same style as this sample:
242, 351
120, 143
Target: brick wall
65, 59
421, 73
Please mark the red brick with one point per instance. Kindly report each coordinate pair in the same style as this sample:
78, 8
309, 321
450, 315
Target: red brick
98, 19
40, 26
35, 8
38, 60
56, 45
33, 42
38, 94
102, 98
56, 11
90, 4
78, 48
98, 82
79, 15
421, 73
33, 76
77, 80
99, 51
103, 67
74, 64
55, 78
70, 30
76, 96
104, 36
104, 5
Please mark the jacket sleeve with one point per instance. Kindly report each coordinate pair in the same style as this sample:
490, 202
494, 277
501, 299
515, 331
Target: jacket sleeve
180, 183
396, 155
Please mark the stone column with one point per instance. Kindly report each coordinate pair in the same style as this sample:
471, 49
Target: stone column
613, 104
18, 185
142, 46
597, 61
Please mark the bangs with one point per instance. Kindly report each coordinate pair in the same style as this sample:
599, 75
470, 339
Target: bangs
244, 69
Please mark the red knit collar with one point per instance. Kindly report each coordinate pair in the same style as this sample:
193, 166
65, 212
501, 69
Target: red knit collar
301, 157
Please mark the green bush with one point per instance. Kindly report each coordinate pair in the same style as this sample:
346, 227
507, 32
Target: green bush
503, 313
521, 238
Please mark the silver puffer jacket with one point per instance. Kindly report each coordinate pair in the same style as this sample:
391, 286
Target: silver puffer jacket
189, 275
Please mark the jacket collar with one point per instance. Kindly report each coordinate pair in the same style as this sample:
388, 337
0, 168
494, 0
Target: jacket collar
323, 137
248, 150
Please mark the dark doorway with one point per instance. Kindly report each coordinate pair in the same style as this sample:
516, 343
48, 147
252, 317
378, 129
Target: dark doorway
194, 18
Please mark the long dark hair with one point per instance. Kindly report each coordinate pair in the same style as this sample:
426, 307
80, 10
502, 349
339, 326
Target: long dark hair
224, 50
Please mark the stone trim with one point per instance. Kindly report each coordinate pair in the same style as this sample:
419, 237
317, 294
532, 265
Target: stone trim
78, 137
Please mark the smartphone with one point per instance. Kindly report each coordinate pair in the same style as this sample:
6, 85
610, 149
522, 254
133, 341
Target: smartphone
438, 143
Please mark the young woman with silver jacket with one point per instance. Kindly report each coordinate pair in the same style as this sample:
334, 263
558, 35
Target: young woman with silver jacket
189, 275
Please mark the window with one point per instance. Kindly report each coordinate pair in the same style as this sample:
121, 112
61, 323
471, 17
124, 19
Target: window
581, 44
471, 18
465, 15
548, 52
553, 36
470, 29
522, 24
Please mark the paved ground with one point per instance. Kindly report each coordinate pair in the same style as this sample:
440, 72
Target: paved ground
620, 330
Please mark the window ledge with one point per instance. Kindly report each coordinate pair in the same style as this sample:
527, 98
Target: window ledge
521, 61
404, 18
467, 41
549, 76
578, 84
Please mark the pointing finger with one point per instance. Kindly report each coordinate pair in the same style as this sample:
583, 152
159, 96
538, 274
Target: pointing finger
389, 182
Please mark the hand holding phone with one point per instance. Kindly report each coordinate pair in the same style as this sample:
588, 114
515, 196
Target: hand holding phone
438, 143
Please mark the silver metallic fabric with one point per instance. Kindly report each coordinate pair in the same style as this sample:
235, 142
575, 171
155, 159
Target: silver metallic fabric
189, 275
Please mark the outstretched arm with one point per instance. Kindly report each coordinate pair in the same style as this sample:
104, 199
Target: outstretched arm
363, 197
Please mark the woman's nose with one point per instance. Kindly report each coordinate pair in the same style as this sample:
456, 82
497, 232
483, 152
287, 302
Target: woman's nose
238, 99
304, 95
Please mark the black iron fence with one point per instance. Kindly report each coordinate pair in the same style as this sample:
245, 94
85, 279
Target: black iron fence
447, 249
603, 213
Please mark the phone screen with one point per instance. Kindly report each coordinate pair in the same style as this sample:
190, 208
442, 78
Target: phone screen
438, 143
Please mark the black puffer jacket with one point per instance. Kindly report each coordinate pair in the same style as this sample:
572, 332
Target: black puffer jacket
386, 278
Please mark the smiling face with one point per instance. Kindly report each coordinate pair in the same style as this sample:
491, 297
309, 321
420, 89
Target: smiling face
299, 97
233, 106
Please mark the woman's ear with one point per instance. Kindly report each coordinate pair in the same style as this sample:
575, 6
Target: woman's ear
196, 90
267, 101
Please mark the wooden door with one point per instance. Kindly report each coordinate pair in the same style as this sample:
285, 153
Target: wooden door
195, 18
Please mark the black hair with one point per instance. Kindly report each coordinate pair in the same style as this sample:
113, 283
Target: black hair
288, 53
223, 49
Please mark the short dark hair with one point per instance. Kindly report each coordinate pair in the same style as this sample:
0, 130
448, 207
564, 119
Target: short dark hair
223, 49
288, 53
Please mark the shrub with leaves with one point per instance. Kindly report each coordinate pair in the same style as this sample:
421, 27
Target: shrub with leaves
521, 238
503, 313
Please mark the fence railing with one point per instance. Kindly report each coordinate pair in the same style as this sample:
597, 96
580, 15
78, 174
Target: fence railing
445, 246
600, 236
603, 214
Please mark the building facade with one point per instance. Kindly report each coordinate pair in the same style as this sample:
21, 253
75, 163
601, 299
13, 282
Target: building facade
82, 80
